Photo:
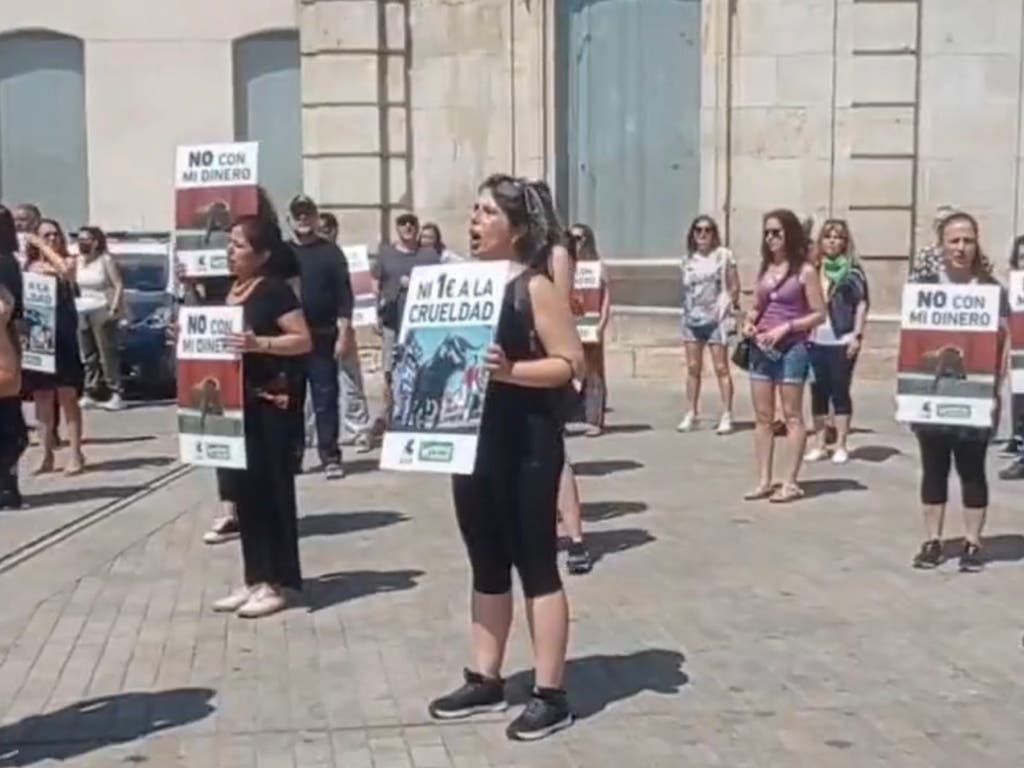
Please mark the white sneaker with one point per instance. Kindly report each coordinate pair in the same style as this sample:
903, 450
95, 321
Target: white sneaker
113, 403
234, 601
688, 423
85, 402
816, 454
841, 456
724, 425
264, 602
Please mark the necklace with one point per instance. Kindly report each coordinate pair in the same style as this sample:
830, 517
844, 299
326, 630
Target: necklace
241, 289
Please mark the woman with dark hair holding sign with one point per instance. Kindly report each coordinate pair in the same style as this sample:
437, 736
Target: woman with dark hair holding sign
960, 262
275, 335
506, 509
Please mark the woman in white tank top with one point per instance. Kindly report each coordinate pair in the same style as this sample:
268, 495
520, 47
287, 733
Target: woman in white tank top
99, 303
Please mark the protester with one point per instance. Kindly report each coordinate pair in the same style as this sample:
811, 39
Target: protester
327, 304
356, 425
961, 261
391, 270
506, 509
430, 239
100, 303
711, 292
561, 268
13, 435
583, 247
275, 336
836, 343
27, 218
788, 304
1015, 445
47, 253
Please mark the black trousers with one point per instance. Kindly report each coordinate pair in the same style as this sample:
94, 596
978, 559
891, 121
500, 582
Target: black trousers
939, 452
833, 372
322, 373
13, 441
267, 513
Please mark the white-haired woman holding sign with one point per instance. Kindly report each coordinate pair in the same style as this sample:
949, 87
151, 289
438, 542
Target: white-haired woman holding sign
960, 262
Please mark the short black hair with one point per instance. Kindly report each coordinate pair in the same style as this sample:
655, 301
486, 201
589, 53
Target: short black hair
407, 218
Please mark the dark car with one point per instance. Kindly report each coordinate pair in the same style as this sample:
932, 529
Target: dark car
147, 355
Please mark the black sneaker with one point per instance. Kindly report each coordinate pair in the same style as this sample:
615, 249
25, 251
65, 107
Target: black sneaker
477, 696
11, 499
930, 555
971, 560
334, 471
1011, 447
579, 561
1013, 471
546, 712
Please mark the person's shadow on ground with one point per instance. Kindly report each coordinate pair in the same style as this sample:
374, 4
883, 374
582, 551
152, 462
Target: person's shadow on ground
97, 723
604, 543
339, 523
604, 467
1001, 548
334, 588
595, 682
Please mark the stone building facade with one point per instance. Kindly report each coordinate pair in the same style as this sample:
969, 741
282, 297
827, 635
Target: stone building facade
641, 113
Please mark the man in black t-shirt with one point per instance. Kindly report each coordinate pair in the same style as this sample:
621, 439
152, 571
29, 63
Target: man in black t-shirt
327, 303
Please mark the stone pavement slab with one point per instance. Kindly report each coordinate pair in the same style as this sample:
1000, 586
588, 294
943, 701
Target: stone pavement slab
712, 632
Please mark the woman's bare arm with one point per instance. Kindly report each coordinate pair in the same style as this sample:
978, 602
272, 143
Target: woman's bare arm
815, 300
295, 340
562, 271
556, 330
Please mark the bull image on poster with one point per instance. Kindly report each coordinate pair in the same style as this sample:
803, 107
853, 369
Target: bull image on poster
364, 311
950, 354
214, 185
439, 381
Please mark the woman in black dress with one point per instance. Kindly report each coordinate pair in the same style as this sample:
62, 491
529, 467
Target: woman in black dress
275, 338
506, 509
46, 253
13, 436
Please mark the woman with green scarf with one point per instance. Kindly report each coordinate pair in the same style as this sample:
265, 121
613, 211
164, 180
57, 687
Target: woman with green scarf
836, 343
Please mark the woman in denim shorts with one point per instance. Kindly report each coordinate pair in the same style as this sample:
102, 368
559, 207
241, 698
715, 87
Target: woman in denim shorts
788, 304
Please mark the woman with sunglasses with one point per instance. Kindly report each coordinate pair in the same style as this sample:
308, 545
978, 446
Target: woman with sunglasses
788, 305
583, 247
47, 254
711, 291
836, 343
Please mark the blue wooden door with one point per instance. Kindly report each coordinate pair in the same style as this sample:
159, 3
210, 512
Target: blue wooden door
629, 102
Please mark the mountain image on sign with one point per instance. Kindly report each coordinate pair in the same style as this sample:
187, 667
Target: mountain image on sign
439, 380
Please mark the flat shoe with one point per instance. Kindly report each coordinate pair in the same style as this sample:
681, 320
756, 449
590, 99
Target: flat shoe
262, 604
234, 601
786, 494
761, 492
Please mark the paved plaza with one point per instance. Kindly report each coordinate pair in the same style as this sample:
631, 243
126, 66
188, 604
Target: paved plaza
712, 632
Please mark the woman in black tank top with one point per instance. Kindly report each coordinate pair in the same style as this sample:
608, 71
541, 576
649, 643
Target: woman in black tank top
506, 509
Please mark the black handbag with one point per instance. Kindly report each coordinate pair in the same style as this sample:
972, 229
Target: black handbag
741, 355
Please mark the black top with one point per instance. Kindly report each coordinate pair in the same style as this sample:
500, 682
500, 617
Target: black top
269, 300
326, 289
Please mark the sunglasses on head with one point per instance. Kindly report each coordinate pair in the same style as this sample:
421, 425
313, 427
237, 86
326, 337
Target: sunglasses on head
773, 232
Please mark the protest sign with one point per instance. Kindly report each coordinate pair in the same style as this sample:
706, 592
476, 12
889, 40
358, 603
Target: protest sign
439, 381
39, 344
364, 312
211, 427
214, 185
1016, 297
586, 300
949, 354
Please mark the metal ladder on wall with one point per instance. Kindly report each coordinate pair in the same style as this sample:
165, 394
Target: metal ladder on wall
910, 106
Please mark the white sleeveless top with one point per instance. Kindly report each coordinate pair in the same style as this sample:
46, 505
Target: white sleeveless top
93, 284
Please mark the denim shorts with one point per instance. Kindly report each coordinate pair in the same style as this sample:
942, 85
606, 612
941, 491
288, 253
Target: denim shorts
711, 333
791, 367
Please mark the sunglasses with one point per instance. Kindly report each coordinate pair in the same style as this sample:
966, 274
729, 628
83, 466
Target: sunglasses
772, 233
406, 223
703, 229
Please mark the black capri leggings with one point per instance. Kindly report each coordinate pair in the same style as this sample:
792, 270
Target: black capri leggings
507, 514
938, 452
833, 372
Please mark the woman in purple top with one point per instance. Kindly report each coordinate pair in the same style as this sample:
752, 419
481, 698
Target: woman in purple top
788, 304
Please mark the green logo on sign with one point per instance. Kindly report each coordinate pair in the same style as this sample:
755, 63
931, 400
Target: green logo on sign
436, 451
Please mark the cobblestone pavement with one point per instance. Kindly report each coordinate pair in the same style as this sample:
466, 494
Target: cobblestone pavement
712, 632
